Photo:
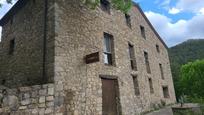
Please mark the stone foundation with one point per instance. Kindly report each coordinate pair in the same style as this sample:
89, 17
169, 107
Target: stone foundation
33, 100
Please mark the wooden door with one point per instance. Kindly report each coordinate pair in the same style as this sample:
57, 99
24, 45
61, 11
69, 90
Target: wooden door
109, 96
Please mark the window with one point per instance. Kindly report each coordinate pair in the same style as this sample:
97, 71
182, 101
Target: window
161, 70
158, 49
151, 86
142, 29
165, 91
128, 20
12, 46
136, 85
11, 20
108, 49
105, 5
147, 62
132, 57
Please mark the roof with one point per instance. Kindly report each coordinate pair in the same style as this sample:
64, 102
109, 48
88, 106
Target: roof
148, 22
20, 4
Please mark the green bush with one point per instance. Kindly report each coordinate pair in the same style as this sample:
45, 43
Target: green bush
199, 100
186, 112
192, 81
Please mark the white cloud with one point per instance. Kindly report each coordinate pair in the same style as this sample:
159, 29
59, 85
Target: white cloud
174, 11
174, 33
163, 3
193, 6
2, 1
201, 11
5, 8
190, 5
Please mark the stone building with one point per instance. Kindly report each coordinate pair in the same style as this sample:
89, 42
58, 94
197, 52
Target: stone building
60, 57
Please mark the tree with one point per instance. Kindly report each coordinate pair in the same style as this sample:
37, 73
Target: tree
188, 51
192, 79
123, 5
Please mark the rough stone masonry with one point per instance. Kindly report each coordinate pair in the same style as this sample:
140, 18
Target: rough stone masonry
43, 53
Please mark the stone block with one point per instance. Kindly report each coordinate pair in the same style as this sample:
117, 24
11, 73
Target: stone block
59, 87
41, 105
58, 101
44, 86
50, 104
24, 89
42, 111
22, 107
34, 93
50, 85
32, 106
36, 87
49, 111
11, 102
59, 113
51, 91
35, 112
42, 99
50, 98
25, 102
26, 95
42, 92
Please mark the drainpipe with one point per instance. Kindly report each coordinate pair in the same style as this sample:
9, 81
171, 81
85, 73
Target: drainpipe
44, 76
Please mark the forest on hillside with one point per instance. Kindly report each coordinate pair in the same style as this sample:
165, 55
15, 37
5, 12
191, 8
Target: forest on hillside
188, 51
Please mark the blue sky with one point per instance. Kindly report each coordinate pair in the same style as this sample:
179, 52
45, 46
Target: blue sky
175, 20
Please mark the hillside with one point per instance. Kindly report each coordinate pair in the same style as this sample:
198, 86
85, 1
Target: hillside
183, 53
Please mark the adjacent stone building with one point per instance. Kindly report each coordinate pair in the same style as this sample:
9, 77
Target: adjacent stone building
80, 61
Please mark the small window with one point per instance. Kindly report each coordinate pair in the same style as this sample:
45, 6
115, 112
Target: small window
158, 49
108, 49
147, 62
11, 20
128, 20
12, 46
151, 86
105, 5
136, 85
142, 29
3, 82
165, 91
161, 70
132, 57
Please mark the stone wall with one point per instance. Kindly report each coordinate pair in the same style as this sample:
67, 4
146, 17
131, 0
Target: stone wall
25, 65
79, 32
33, 100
